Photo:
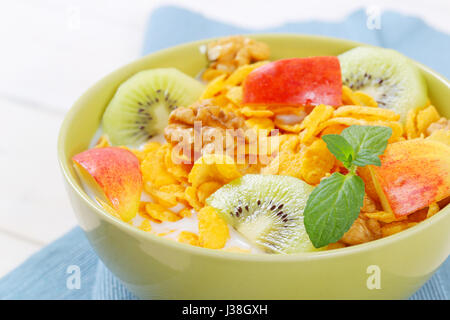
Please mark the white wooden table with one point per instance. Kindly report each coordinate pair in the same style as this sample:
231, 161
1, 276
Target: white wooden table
51, 51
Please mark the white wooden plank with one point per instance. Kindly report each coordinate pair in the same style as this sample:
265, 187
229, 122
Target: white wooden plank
13, 252
33, 202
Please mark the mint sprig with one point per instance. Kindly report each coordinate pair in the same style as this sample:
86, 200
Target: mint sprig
335, 203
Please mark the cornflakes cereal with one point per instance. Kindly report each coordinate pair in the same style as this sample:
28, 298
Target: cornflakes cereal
238, 76
357, 98
336, 245
214, 87
315, 162
191, 197
260, 124
426, 117
206, 189
384, 216
366, 113
213, 230
188, 238
396, 227
397, 128
146, 226
213, 167
160, 213
185, 212
410, 125
311, 123
211, 74
154, 170
255, 113
234, 94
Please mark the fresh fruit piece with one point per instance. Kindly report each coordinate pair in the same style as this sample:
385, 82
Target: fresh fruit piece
413, 174
267, 210
140, 108
385, 75
113, 174
295, 82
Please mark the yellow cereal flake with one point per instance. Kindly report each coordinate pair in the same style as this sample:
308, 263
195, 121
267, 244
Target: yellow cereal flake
396, 227
366, 113
293, 128
315, 162
410, 125
213, 167
286, 163
384, 216
214, 87
260, 124
426, 117
250, 112
154, 170
364, 99
239, 75
213, 230
310, 124
397, 128
151, 147
210, 74
206, 189
191, 197
164, 198
289, 142
441, 135
102, 142
185, 212
188, 238
234, 94
146, 226
432, 209
160, 213
357, 98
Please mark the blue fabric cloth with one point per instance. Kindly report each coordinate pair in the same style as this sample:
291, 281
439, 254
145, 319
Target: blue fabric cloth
47, 274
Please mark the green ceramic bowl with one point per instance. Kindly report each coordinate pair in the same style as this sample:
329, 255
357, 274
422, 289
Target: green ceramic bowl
153, 267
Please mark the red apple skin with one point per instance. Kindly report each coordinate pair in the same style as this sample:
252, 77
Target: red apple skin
413, 174
117, 174
295, 82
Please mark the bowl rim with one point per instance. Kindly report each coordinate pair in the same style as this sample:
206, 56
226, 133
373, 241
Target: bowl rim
221, 254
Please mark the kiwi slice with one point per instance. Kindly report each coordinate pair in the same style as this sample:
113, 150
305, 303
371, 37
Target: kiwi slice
141, 105
387, 76
267, 210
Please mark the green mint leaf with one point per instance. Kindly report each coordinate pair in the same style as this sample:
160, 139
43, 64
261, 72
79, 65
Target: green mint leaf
368, 142
332, 207
341, 149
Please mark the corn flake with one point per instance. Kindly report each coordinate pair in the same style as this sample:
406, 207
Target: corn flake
213, 230
160, 213
366, 113
256, 113
213, 167
315, 162
426, 117
188, 238
239, 75
214, 87
311, 123
384, 216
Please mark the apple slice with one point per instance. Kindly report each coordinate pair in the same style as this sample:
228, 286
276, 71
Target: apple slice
295, 82
413, 174
113, 174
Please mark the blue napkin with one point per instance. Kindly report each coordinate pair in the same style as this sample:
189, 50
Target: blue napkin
48, 273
